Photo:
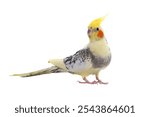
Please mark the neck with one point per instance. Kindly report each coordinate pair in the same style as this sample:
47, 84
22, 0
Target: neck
99, 47
95, 39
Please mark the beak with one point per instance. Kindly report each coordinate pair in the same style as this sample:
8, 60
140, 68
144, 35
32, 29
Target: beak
89, 31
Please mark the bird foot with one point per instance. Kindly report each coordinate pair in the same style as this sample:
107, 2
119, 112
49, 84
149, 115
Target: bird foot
87, 82
94, 82
100, 82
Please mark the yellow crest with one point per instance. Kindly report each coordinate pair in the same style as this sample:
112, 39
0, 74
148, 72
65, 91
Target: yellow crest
96, 23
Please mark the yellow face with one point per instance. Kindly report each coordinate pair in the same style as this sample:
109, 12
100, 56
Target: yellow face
95, 33
94, 30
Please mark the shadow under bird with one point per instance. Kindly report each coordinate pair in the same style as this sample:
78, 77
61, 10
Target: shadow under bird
87, 61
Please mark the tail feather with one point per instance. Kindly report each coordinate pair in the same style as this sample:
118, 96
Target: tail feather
49, 70
58, 62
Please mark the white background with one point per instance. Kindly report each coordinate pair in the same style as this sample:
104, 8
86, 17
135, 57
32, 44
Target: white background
33, 31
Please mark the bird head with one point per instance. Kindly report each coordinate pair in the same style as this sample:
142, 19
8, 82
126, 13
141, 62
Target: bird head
94, 30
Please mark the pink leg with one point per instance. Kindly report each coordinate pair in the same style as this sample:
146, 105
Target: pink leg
87, 82
99, 81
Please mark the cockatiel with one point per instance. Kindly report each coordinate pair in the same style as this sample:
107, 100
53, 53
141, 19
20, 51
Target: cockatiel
89, 60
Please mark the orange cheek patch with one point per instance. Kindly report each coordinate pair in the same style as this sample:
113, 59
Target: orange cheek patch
100, 34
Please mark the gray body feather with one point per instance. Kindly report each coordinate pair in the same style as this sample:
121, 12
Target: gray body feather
83, 58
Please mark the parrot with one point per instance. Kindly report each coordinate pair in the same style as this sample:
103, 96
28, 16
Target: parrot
90, 60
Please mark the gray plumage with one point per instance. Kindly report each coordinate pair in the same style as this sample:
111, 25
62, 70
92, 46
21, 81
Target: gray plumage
99, 62
81, 57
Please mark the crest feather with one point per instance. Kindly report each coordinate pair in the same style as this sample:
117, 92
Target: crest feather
96, 23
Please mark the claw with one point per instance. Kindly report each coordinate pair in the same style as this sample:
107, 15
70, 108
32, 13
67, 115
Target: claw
94, 82
100, 82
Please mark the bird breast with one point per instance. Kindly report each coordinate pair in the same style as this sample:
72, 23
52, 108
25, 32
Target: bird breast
100, 53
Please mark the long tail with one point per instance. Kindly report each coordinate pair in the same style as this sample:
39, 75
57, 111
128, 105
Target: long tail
49, 70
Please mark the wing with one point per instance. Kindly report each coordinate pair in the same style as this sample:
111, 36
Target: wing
79, 62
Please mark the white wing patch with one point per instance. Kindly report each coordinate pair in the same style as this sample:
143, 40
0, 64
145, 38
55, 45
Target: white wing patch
79, 62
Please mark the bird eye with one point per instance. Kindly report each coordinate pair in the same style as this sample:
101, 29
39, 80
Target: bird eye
97, 29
